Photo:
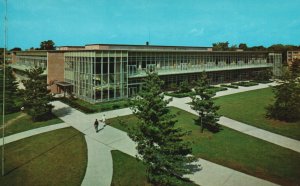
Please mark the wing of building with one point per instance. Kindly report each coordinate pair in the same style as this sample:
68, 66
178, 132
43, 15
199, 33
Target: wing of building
102, 72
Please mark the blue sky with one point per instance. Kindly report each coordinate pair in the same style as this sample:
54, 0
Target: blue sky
162, 22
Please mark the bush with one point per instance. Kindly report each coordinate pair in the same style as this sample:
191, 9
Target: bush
74, 104
230, 86
213, 89
116, 106
245, 83
180, 95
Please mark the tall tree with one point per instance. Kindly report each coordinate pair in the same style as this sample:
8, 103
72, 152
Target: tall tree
221, 46
203, 104
15, 49
47, 45
11, 91
287, 99
36, 95
159, 143
243, 46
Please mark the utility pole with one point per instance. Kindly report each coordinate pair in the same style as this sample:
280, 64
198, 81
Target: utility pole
4, 81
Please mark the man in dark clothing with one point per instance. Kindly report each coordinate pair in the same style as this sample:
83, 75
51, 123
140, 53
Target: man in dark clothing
96, 124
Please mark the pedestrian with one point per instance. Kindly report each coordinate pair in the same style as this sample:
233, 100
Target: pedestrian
103, 119
96, 124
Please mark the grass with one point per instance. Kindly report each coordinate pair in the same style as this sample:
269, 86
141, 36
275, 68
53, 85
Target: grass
25, 123
53, 158
234, 149
249, 107
129, 171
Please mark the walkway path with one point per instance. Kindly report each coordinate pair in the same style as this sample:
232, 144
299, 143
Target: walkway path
21, 135
13, 120
108, 138
246, 129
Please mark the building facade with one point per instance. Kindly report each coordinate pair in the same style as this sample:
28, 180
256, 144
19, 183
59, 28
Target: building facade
292, 55
100, 73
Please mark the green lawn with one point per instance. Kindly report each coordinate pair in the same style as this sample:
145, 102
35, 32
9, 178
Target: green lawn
249, 107
25, 123
234, 149
129, 171
53, 158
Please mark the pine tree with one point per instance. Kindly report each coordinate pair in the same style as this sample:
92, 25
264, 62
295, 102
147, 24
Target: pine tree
203, 104
159, 143
11, 90
36, 95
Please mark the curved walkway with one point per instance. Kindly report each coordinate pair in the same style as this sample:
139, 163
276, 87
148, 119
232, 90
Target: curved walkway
99, 168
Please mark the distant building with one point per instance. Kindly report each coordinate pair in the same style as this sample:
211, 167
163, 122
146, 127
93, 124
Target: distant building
7, 56
102, 72
292, 55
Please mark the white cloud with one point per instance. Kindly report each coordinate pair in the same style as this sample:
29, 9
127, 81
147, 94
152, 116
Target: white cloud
196, 31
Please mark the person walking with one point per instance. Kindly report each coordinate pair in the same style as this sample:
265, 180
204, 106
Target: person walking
96, 124
103, 119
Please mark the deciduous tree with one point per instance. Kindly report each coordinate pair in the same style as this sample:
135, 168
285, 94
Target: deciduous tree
287, 99
47, 45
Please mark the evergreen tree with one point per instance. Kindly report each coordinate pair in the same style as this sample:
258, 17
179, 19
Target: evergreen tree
159, 143
11, 90
36, 95
287, 99
203, 104
184, 87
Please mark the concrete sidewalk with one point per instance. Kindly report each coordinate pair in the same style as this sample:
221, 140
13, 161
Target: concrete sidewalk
247, 129
109, 138
21, 135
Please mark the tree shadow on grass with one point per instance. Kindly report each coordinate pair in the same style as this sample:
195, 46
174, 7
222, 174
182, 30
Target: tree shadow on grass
39, 155
61, 112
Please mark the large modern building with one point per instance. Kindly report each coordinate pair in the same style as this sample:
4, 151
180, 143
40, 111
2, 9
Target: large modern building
102, 72
292, 55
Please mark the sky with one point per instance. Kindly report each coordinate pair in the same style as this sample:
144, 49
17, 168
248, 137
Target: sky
161, 22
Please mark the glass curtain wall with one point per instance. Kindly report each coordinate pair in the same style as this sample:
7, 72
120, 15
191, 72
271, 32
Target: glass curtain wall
188, 62
110, 75
276, 60
97, 75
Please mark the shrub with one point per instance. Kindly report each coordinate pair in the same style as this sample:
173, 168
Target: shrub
230, 86
245, 83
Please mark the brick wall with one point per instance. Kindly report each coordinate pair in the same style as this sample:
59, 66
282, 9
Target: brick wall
55, 67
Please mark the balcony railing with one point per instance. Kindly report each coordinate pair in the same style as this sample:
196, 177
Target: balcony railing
194, 69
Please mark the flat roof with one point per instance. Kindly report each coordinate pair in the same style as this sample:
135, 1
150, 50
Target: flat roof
149, 45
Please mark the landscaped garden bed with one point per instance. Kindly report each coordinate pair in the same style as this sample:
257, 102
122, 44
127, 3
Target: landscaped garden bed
245, 83
97, 107
213, 89
230, 86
